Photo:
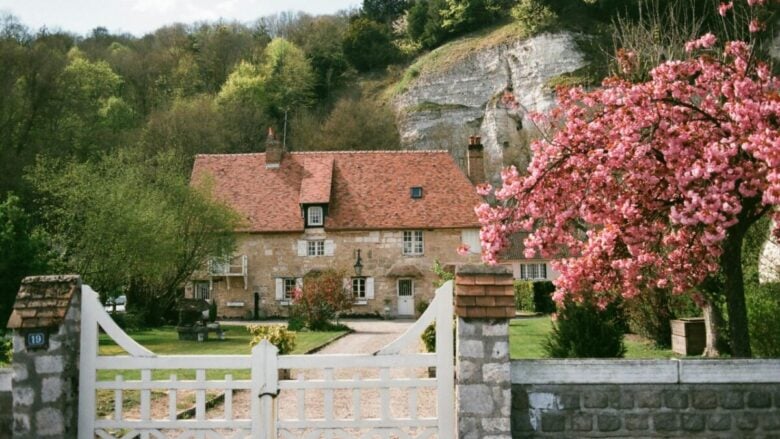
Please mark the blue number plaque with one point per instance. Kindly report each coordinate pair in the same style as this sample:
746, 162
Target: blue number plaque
38, 339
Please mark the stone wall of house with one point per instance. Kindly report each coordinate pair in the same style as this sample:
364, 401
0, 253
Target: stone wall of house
602, 399
276, 255
6, 402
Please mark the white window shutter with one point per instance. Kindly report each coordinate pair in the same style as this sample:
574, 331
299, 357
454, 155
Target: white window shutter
279, 288
302, 248
369, 288
346, 284
299, 282
329, 247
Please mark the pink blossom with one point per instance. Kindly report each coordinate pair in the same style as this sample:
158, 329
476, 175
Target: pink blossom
755, 26
724, 8
704, 42
463, 249
484, 189
641, 182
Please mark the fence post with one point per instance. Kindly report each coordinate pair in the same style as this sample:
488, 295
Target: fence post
484, 303
46, 321
265, 387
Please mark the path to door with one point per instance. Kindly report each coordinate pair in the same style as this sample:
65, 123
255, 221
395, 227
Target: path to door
369, 336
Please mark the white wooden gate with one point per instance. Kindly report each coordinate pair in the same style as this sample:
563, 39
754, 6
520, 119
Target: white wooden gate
330, 396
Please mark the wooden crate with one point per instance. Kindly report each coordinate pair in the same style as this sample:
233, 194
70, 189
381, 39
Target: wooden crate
688, 336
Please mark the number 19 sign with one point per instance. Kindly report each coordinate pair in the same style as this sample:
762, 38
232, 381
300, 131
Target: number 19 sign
37, 339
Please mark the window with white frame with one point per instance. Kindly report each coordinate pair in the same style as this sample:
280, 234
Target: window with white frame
413, 242
315, 248
359, 287
533, 271
200, 290
315, 215
289, 287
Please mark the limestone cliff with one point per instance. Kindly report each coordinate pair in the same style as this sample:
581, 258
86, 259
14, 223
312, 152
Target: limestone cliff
454, 92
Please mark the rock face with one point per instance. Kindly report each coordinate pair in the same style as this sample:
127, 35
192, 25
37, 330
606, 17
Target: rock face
442, 107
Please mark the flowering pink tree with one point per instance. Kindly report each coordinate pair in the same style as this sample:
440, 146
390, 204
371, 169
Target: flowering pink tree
650, 185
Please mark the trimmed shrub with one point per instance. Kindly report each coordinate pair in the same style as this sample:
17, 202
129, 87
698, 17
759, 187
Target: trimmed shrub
585, 331
524, 296
278, 335
763, 303
543, 291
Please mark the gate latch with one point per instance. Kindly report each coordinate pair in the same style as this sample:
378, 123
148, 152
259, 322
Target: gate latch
271, 394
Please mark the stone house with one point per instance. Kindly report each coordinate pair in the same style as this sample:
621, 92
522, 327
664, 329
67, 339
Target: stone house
397, 212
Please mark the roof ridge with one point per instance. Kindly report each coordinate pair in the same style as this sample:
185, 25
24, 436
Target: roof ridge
380, 151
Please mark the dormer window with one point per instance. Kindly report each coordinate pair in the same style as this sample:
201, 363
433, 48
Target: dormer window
315, 215
417, 192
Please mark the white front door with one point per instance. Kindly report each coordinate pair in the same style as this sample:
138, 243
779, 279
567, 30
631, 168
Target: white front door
405, 297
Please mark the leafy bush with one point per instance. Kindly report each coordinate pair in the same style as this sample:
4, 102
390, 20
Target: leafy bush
129, 321
585, 331
421, 306
277, 335
533, 15
6, 348
524, 296
763, 303
321, 300
543, 291
650, 314
428, 337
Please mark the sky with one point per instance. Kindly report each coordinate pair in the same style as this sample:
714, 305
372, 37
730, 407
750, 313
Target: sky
142, 16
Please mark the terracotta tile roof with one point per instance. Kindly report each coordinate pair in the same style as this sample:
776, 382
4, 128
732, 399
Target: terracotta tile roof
368, 190
317, 179
42, 301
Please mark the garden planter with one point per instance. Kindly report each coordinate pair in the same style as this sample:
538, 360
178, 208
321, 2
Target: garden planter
688, 336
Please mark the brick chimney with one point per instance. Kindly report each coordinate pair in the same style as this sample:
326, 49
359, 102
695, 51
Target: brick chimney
475, 166
273, 150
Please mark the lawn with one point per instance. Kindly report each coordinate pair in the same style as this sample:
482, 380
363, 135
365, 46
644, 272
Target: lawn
165, 341
527, 335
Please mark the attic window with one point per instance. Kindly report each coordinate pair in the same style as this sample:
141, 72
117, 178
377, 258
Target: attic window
416, 192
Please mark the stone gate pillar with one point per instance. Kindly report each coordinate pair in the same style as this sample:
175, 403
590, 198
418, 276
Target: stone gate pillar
484, 303
46, 320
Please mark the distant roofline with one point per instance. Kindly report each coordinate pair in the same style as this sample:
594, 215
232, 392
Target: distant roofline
383, 151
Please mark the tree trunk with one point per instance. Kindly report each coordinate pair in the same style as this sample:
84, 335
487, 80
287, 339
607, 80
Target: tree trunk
734, 285
712, 323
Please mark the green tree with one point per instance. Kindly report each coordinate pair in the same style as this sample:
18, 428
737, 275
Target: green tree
384, 11
23, 252
288, 77
129, 222
92, 110
368, 45
354, 125
244, 104
190, 126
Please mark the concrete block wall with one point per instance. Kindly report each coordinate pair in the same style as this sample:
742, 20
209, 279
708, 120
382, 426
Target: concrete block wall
647, 399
